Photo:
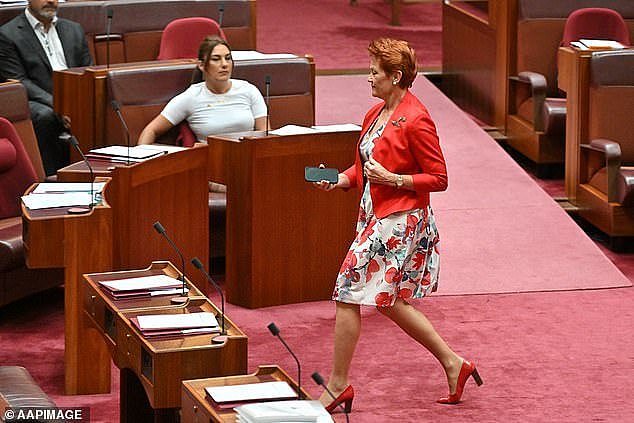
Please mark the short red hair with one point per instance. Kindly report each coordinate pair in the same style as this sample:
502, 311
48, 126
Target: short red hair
395, 55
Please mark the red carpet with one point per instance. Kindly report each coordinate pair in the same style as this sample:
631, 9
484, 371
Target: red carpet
337, 34
562, 357
499, 231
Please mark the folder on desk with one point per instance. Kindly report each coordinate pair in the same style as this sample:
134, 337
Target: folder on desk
230, 396
145, 286
169, 325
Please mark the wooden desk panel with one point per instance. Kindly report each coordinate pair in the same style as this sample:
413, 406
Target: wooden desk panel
80, 244
196, 408
171, 189
574, 79
285, 239
152, 369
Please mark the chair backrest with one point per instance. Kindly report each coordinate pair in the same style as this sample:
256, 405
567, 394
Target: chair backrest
611, 100
16, 170
595, 23
14, 106
182, 37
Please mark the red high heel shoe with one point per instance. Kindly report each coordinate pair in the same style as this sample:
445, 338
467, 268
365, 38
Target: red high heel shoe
467, 369
345, 397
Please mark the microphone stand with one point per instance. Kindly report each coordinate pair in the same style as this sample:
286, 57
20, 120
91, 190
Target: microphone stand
117, 108
267, 83
223, 335
320, 381
69, 138
183, 299
276, 332
221, 14
109, 13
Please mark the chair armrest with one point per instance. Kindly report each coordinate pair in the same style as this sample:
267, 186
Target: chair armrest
538, 86
610, 151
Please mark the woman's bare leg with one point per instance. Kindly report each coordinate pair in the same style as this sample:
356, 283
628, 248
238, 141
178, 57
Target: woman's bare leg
416, 325
347, 330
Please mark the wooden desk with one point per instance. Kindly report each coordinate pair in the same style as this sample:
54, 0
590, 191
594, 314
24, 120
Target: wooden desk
84, 94
80, 244
152, 369
286, 240
574, 78
172, 189
196, 408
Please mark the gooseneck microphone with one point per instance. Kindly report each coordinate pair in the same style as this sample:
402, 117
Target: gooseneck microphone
320, 381
267, 84
276, 332
221, 13
117, 108
109, 13
70, 138
161, 230
198, 265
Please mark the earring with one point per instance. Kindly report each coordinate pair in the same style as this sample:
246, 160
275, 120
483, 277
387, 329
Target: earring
394, 82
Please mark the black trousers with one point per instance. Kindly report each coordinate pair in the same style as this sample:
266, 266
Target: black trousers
48, 126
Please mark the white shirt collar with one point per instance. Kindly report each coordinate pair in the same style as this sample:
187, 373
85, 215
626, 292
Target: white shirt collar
33, 20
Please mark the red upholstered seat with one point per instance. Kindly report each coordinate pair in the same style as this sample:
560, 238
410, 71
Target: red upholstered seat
16, 171
595, 23
182, 37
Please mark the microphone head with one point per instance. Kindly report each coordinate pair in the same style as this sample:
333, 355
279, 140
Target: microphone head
317, 378
159, 228
197, 263
267, 79
109, 12
115, 105
273, 329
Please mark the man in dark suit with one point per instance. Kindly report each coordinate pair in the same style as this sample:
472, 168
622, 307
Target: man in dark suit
32, 46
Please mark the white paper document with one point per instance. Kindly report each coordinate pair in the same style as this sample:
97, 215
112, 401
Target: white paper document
161, 147
238, 55
47, 201
142, 283
283, 411
67, 187
587, 44
298, 130
341, 127
251, 392
136, 152
177, 321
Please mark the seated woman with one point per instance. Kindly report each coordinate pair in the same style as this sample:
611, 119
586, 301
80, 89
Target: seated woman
217, 105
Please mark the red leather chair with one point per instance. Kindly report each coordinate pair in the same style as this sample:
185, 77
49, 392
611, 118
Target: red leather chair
595, 23
16, 171
16, 175
182, 37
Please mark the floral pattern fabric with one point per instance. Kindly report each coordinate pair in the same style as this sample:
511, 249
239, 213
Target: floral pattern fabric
390, 258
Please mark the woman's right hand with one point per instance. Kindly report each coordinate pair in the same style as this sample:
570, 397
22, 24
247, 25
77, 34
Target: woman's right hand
342, 182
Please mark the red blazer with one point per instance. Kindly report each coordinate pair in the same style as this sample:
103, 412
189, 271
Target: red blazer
408, 146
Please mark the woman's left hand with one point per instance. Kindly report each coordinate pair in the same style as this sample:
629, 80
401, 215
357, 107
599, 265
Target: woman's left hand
377, 174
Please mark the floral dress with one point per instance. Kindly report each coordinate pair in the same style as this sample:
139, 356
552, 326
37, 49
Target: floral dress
390, 258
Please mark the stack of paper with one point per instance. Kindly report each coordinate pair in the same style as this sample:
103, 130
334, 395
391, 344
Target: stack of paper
283, 411
57, 194
145, 286
123, 154
231, 396
169, 325
585, 44
299, 130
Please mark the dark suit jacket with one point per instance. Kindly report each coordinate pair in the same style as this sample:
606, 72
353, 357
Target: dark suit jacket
408, 146
23, 58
